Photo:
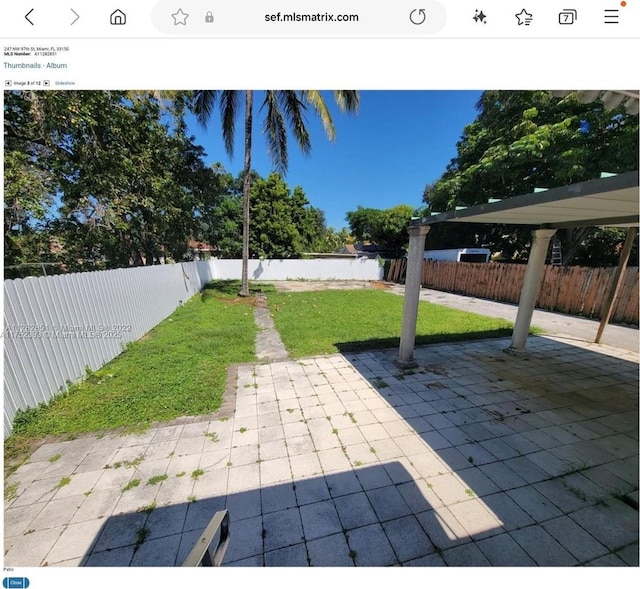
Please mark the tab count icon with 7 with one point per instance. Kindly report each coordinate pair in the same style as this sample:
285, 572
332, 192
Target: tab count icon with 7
568, 16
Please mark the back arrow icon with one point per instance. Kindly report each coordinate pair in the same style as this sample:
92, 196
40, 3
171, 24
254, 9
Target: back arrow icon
27, 17
418, 19
73, 22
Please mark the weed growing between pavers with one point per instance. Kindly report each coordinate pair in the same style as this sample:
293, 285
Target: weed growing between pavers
575, 468
350, 416
132, 484
11, 491
127, 463
141, 536
64, 481
149, 508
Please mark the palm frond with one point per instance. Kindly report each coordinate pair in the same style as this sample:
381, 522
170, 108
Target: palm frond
347, 100
294, 111
275, 130
229, 104
204, 103
314, 99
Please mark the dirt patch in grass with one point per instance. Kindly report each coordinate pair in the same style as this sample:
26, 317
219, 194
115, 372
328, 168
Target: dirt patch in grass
319, 285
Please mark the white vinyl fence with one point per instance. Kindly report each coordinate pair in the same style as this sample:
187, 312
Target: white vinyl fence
57, 326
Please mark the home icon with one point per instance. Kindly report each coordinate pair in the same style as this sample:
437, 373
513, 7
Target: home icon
118, 18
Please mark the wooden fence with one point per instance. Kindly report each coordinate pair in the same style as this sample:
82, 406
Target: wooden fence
572, 289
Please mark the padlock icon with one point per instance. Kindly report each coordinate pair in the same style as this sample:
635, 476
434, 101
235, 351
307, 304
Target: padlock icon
208, 17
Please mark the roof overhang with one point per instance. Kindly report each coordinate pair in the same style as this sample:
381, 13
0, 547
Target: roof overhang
606, 202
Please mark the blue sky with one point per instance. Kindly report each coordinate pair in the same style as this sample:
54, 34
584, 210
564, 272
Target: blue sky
383, 156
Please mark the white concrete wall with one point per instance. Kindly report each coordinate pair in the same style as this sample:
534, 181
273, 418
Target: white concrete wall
321, 269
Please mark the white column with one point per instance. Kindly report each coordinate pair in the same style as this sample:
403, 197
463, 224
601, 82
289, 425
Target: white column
530, 287
417, 235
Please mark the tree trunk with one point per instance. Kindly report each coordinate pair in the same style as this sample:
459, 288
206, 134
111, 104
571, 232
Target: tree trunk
244, 290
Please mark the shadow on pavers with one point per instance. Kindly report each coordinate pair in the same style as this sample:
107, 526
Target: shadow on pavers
370, 516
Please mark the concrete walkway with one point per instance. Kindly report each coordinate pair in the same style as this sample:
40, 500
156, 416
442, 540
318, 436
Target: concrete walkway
477, 458
269, 346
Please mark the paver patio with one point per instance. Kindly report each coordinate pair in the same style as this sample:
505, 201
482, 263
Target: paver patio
477, 458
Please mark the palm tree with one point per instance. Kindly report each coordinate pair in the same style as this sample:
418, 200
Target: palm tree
283, 108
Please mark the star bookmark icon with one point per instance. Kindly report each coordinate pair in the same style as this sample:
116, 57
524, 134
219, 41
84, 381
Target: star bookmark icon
524, 18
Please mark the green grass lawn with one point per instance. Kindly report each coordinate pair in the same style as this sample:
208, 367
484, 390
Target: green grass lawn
178, 368
325, 322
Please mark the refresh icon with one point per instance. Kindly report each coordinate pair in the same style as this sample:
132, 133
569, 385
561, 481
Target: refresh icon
418, 16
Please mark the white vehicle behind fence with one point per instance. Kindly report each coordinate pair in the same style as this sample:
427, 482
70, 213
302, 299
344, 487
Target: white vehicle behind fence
463, 254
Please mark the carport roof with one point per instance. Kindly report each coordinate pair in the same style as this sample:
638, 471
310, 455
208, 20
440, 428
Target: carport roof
605, 202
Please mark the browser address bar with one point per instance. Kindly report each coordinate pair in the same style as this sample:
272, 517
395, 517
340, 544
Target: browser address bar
290, 18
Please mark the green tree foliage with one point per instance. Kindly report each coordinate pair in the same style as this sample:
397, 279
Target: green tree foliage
284, 225
279, 217
602, 247
384, 227
363, 222
113, 177
391, 230
332, 240
28, 188
221, 216
522, 140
